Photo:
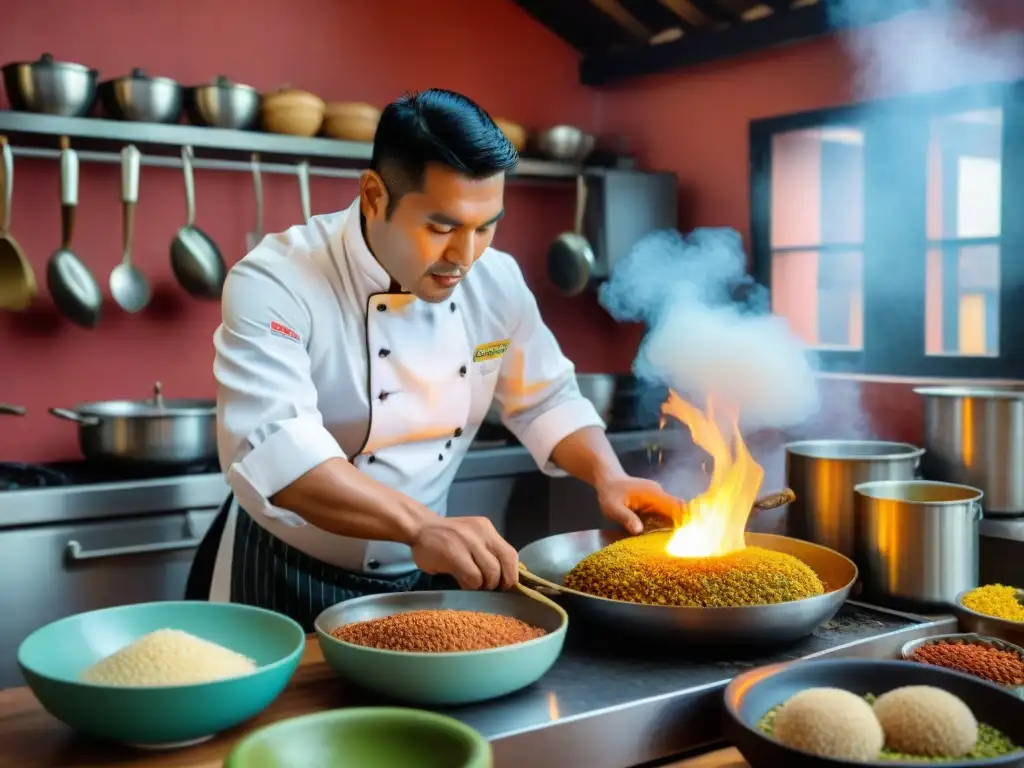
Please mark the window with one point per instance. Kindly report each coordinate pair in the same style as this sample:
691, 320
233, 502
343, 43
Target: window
887, 232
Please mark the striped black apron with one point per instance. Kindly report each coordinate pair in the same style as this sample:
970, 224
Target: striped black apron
268, 573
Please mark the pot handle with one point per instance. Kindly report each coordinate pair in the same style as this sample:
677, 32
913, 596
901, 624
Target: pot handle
542, 586
12, 410
64, 413
979, 511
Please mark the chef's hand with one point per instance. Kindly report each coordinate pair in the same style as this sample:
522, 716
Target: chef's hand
468, 548
626, 500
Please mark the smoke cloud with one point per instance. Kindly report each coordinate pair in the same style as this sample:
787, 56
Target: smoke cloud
710, 331
945, 45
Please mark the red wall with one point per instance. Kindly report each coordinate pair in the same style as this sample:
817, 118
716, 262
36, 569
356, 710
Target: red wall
693, 122
368, 51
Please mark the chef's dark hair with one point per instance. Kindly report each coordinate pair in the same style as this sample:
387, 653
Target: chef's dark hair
436, 126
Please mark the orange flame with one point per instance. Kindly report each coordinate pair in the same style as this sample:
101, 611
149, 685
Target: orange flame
716, 519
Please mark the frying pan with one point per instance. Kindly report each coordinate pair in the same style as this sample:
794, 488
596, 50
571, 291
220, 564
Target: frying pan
545, 563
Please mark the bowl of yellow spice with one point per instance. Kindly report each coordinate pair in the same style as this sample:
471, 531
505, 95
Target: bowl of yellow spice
994, 610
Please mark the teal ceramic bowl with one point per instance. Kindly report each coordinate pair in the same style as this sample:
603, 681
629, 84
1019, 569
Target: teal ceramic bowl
53, 657
364, 738
443, 678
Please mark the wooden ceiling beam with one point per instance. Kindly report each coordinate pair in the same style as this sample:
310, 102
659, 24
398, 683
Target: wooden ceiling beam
802, 22
579, 23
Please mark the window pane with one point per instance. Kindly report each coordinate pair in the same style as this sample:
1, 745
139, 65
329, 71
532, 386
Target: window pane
817, 187
962, 301
965, 175
822, 296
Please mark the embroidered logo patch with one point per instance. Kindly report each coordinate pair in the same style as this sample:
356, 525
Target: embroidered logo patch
279, 329
491, 351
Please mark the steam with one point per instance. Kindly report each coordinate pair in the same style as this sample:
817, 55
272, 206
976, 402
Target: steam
709, 328
941, 47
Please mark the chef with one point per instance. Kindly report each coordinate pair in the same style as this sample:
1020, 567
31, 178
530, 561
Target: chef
357, 356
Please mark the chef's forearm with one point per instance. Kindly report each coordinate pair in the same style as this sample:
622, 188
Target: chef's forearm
586, 454
338, 498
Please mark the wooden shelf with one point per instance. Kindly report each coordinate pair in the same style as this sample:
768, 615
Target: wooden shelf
27, 129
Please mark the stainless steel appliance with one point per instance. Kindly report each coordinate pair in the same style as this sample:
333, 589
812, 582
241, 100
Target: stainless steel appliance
823, 473
75, 537
975, 436
917, 540
622, 207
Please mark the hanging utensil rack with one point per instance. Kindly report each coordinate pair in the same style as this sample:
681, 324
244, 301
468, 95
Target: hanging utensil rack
100, 141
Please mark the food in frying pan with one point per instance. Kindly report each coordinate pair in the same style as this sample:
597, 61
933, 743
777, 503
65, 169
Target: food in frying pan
168, 657
641, 570
920, 723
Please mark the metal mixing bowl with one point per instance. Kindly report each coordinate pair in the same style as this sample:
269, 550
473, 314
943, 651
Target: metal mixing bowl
223, 104
564, 142
50, 87
141, 98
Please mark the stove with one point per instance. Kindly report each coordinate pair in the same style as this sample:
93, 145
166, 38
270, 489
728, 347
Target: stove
16, 476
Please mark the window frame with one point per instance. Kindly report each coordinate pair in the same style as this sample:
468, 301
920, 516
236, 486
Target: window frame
893, 338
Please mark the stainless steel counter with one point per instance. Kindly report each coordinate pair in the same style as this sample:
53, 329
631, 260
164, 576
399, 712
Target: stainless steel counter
104, 501
604, 706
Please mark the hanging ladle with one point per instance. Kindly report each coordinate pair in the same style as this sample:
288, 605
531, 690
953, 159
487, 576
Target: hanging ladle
197, 264
17, 280
71, 284
128, 285
570, 258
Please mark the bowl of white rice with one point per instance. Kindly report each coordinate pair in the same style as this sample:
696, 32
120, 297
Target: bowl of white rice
161, 675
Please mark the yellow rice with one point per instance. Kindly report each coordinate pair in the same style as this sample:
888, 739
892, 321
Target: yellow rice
639, 570
168, 657
995, 600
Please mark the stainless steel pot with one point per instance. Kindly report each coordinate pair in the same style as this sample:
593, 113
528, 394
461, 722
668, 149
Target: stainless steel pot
598, 388
917, 540
51, 87
823, 474
975, 436
141, 98
223, 104
566, 143
152, 431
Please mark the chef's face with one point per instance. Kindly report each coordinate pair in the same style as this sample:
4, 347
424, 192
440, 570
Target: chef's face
433, 235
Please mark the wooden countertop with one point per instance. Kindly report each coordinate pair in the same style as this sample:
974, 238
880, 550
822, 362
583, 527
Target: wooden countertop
31, 738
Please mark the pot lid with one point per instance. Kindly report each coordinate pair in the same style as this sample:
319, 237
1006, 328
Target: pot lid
221, 81
47, 60
155, 406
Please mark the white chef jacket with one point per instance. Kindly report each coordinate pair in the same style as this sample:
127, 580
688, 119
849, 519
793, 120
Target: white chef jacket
316, 360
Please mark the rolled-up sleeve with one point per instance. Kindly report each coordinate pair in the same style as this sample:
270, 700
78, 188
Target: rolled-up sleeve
540, 401
269, 429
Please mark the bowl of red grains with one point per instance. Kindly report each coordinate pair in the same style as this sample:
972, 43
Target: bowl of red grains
442, 648
989, 658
